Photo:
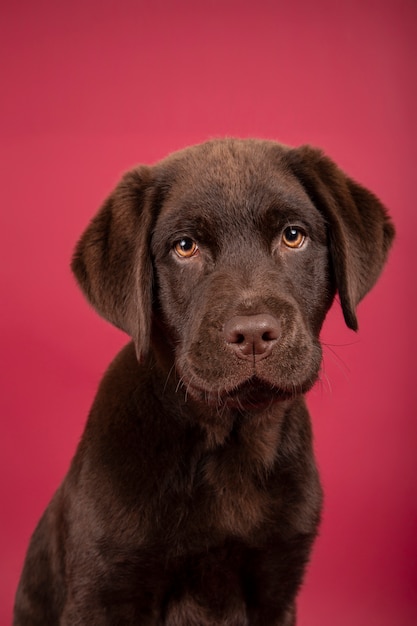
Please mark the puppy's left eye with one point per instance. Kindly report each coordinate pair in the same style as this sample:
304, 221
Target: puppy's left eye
185, 248
293, 237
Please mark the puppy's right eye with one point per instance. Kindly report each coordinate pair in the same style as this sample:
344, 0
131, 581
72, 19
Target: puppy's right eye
185, 248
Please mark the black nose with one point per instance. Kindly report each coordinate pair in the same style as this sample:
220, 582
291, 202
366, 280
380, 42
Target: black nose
252, 337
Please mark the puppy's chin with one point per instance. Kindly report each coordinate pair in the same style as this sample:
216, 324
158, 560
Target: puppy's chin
252, 395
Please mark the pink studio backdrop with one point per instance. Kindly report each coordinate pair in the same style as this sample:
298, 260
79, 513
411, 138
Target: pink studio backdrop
91, 88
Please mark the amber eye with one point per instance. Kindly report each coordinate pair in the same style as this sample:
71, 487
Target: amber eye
186, 248
293, 237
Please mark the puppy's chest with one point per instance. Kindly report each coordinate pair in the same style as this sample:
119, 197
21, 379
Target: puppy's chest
234, 490
203, 493
237, 501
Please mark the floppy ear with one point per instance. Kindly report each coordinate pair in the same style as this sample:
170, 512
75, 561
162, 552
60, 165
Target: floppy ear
112, 261
360, 231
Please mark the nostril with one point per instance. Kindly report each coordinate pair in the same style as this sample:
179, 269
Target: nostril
273, 332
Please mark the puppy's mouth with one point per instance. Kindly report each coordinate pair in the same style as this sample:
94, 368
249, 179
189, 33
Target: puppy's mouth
253, 394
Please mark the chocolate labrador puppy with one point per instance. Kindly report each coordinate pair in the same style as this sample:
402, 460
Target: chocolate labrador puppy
193, 498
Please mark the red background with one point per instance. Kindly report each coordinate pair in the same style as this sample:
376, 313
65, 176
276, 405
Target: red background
91, 88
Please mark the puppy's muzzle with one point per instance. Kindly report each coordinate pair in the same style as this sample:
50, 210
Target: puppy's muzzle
252, 337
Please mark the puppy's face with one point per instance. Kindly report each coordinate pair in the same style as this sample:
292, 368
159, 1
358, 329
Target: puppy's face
235, 249
241, 263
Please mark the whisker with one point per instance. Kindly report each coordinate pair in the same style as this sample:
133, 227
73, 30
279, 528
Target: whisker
179, 385
167, 378
337, 359
324, 380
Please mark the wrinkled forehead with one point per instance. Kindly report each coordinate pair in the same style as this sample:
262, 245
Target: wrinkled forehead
226, 190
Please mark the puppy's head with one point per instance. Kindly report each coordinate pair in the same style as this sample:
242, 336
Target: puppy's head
233, 251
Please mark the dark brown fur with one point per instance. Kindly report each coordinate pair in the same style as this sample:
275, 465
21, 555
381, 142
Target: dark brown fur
193, 498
